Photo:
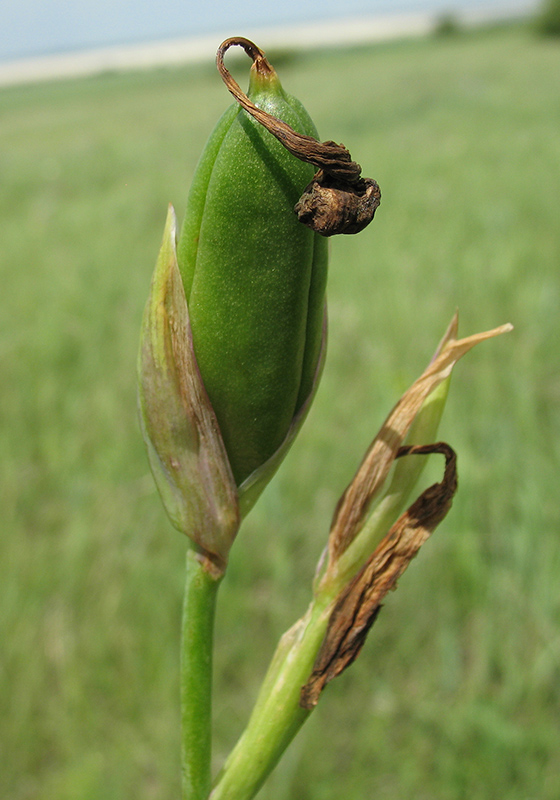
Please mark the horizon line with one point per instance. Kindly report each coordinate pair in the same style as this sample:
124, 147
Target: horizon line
198, 49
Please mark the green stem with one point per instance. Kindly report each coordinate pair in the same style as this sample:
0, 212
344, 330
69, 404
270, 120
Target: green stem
199, 605
277, 715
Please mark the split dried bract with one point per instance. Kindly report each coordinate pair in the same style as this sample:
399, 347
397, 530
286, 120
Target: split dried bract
359, 601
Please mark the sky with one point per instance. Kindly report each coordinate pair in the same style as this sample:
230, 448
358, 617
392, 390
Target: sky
44, 27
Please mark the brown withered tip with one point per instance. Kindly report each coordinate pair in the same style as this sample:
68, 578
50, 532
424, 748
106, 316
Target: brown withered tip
330, 206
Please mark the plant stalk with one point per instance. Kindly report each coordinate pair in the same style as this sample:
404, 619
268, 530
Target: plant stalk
201, 586
277, 715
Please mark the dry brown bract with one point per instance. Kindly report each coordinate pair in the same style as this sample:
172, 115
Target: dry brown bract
353, 507
359, 603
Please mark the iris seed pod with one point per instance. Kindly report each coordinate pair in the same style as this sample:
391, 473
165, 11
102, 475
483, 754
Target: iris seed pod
254, 280
233, 336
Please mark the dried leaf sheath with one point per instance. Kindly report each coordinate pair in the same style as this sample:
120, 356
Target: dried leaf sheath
359, 603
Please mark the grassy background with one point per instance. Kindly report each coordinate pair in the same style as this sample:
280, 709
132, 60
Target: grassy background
456, 694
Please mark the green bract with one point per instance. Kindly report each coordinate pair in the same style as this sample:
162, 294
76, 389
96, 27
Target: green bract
254, 279
185, 449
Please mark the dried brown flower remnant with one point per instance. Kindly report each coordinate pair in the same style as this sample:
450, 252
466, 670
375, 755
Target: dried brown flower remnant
359, 603
338, 200
330, 206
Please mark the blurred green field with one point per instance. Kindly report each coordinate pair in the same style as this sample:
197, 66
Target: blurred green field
457, 692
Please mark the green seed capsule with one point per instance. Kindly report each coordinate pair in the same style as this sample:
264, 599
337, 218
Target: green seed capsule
254, 277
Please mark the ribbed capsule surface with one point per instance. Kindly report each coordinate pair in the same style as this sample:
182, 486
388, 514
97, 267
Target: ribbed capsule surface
254, 278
